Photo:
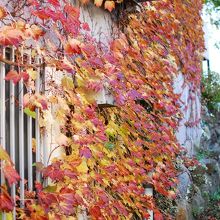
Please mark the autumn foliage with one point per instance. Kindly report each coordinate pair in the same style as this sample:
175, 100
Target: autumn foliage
111, 151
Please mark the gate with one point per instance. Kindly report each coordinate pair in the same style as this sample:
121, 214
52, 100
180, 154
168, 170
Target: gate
18, 130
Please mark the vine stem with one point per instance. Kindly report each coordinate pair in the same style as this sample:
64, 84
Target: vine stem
52, 153
9, 62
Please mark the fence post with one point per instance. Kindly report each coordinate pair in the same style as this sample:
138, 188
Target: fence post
12, 125
29, 144
2, 113
37, 126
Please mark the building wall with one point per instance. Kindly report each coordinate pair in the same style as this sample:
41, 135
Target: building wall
190, 131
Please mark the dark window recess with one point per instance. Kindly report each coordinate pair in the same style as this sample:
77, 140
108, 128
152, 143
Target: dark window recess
145, 104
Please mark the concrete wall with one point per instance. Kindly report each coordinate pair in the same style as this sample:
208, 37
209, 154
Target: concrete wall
190, 131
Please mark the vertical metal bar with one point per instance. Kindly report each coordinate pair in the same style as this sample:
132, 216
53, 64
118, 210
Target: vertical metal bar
45, 152
2, 113
149, 191
30, 158
44, 139
2, 107
37, 127
12, 127
21, 140
29, 146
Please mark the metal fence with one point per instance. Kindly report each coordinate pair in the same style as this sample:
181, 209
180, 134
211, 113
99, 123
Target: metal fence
17, 130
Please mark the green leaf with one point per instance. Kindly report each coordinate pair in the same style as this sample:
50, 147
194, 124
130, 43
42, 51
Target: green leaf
30, 113
109, 145
51, 188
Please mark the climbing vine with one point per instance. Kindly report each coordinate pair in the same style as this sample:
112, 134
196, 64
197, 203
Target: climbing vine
110, 152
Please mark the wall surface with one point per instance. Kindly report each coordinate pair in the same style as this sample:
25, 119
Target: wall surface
190, 131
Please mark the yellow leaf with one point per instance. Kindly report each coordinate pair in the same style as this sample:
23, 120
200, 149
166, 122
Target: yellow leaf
67, 83
91, 163
82, 168
32, 73
104, 162
98, 3
105, 181
9, 216
53, 99
4, 155
80, 81
34, 144
33, 53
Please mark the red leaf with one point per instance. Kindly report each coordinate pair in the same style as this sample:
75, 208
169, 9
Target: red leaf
85, 27
6, 203
67, 200
38, 186
72, 11
95, 212
54, 172
46, 199
14, 76
158, 215
43, 103
25, 76
42, 14
11, 174
67, 196
54, 2
85, 151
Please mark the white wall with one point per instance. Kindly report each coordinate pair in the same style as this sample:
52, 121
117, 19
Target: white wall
189, 132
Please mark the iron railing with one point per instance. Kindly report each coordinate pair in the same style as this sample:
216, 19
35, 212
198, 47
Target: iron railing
17, 129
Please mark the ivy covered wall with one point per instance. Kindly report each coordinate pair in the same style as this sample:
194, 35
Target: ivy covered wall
111, 151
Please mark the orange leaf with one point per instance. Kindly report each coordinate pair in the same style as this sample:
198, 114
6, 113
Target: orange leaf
10, 36
2, 13
95, 212
73, 46
6, 203
109, 5
84, 1
36, 32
